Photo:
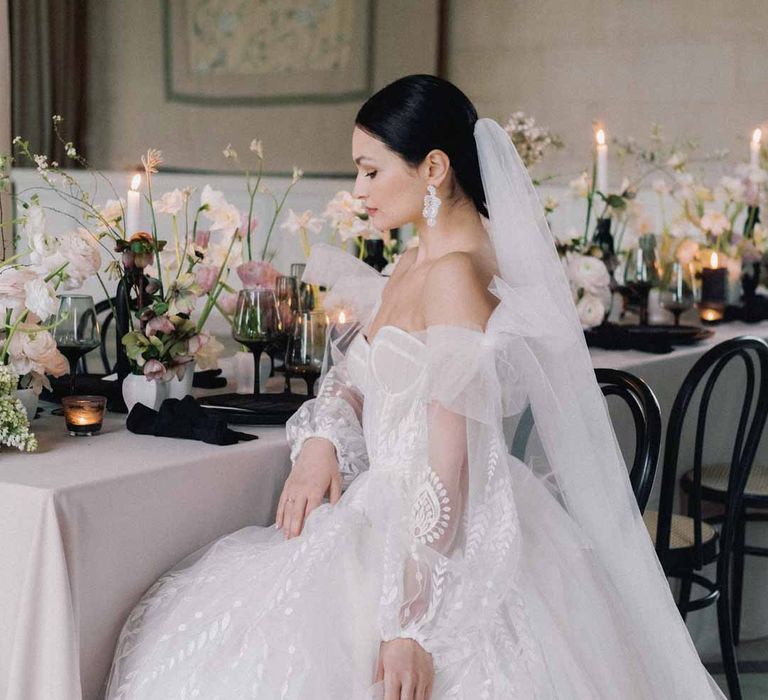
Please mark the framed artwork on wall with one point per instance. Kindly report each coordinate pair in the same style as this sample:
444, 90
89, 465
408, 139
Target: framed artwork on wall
268, 52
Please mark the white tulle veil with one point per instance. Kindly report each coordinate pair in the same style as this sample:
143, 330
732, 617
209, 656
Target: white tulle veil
585, 466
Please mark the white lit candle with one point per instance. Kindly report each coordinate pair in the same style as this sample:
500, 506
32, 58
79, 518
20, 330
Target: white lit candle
602, 162
754, 148
133, 208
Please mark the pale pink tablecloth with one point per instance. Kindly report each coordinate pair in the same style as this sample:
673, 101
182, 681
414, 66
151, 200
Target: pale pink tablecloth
87, 524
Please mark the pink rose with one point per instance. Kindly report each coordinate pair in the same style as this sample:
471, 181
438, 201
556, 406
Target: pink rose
202, 238
228, 302
257, 273
154, 370
205, 276
159, 324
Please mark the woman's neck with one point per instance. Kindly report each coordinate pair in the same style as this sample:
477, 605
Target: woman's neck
459, 228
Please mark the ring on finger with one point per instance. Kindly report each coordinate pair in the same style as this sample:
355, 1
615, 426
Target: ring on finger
291, 499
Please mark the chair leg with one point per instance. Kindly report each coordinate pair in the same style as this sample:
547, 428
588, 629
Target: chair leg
684, 597
738, 576
727, 648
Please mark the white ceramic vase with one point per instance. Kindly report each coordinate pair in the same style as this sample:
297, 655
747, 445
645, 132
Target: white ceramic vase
179, 388
138, 389
29, 398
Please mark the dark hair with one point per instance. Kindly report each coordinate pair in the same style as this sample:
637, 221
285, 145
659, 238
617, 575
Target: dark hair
419, 113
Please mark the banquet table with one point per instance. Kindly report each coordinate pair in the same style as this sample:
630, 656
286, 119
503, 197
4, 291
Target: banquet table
87, 524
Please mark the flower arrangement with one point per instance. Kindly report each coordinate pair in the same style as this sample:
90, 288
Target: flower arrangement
531, 141
14, 424
173, 287
28, 289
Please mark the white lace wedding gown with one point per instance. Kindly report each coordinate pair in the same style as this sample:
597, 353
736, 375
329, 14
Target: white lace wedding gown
440, 536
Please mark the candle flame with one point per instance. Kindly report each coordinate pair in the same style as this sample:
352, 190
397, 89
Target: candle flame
713, 261
600, 137
342, 317
757, 136
136, 182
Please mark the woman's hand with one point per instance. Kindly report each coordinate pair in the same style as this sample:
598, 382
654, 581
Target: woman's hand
315, 472
406, 669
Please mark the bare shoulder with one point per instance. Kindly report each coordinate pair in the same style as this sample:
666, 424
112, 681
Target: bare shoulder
456, 291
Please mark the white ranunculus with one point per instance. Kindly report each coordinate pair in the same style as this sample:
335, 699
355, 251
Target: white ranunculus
82, 253
170, 203
591, 310
41, 298
13, 281
33, 351
588, 273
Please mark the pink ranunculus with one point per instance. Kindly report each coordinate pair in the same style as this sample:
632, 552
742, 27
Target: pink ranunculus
228, 302
154, 370
257, 273
205, 276
202, 238
159, 324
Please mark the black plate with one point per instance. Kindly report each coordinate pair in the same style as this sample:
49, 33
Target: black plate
676, 335
245, 409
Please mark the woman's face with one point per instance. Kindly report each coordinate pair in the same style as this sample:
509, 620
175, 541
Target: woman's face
391, 190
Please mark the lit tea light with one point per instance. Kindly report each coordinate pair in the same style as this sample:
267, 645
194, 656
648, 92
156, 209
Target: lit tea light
84, 414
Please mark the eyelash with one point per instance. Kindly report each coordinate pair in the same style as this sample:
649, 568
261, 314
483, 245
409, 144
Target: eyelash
371, 174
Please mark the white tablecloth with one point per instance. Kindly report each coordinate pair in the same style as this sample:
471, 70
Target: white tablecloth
87, 524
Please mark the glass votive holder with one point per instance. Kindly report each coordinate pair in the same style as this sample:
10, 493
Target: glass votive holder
84, 414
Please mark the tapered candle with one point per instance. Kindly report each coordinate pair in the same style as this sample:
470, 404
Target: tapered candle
602, 162
133, 208
754, 148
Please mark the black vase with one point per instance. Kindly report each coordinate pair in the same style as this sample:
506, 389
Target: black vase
374, 254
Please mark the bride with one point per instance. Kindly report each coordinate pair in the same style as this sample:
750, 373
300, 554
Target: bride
441, 567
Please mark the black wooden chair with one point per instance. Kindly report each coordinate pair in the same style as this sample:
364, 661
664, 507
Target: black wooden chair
647, 419
106, 318
685, 544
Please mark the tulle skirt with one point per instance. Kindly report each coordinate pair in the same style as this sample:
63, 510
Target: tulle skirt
257, 616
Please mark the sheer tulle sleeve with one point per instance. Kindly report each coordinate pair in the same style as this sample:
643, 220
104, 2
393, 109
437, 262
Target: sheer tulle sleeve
336, 413
451, 556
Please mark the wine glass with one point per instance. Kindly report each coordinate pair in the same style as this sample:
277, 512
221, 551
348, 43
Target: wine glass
306, 347
677, 295
255, 324
287, 295
76, 331
638, 279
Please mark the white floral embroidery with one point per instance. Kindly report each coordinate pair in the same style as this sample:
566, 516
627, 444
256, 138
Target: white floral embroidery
431, 510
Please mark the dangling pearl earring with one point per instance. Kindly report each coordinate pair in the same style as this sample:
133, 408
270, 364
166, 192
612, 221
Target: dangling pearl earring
431, 206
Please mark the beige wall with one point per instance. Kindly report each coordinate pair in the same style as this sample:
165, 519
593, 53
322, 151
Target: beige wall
128, 112
698, 67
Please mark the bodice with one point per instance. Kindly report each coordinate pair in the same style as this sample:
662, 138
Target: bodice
391, 373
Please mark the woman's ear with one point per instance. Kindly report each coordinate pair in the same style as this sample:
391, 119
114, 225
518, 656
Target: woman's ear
435, 167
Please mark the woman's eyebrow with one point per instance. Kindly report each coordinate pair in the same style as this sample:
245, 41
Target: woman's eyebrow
362, 158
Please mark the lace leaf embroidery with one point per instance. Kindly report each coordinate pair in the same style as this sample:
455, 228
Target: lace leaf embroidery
431, 510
